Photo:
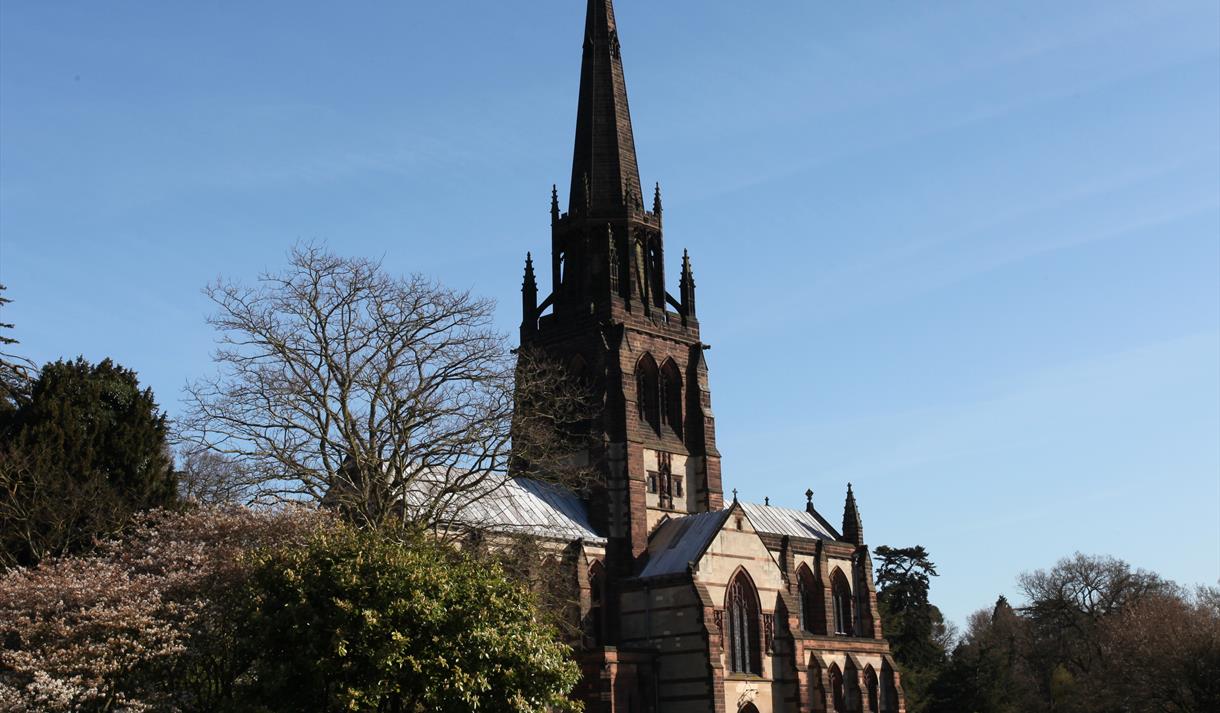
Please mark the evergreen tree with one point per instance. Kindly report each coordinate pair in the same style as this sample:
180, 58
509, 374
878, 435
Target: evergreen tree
14, 372
914, 627
81, 455
987, 673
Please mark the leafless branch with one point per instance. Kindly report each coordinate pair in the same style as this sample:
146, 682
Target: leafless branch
391, 398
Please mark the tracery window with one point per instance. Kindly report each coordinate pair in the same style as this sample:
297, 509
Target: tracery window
743, 643
841, 595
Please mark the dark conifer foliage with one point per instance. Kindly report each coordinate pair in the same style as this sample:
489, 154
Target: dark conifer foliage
914, 626
14, 370
85, 452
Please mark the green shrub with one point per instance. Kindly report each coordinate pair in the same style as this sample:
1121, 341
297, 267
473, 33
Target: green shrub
370, 621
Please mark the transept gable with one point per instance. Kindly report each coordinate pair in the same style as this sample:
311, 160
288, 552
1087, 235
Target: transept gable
714, 546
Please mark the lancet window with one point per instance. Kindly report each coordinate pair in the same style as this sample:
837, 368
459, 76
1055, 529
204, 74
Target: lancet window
841, 596
743, 643
670, 395
813, 608
647, 398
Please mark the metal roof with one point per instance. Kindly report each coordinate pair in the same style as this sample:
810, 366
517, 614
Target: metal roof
773, 520
525, 506
680, 541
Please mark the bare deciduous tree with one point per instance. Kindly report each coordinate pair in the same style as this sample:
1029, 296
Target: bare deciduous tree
1162, 653
210, 478
391, 398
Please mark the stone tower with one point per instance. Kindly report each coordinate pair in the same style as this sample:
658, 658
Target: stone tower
609, 315
687, 604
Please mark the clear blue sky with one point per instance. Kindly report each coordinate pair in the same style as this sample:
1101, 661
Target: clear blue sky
965, 255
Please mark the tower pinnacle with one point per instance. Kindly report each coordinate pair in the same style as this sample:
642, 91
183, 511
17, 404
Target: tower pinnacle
529, 297
853, 529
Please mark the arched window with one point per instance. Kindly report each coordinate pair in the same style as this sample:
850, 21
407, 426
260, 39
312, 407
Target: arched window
838, 698
597, 595
742, 608
840, 593
646, 391
671, 396
872, 690
813, 606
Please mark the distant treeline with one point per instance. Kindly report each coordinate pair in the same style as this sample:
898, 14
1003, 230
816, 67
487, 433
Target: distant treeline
1091, 635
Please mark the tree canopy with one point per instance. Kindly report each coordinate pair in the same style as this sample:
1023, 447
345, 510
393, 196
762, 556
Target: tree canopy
360, 621
86, 451
391, 398
1092, 635
914, 626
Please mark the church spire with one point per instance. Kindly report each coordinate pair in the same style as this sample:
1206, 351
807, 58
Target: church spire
853, 529
605, 175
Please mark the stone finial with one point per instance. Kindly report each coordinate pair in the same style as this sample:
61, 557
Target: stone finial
529, 283
656, 200
554, 203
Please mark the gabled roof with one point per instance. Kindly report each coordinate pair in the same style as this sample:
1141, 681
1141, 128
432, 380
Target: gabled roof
771, 520
529, 507
682, 540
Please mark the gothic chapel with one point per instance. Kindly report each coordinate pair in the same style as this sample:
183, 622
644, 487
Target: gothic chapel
689, 603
